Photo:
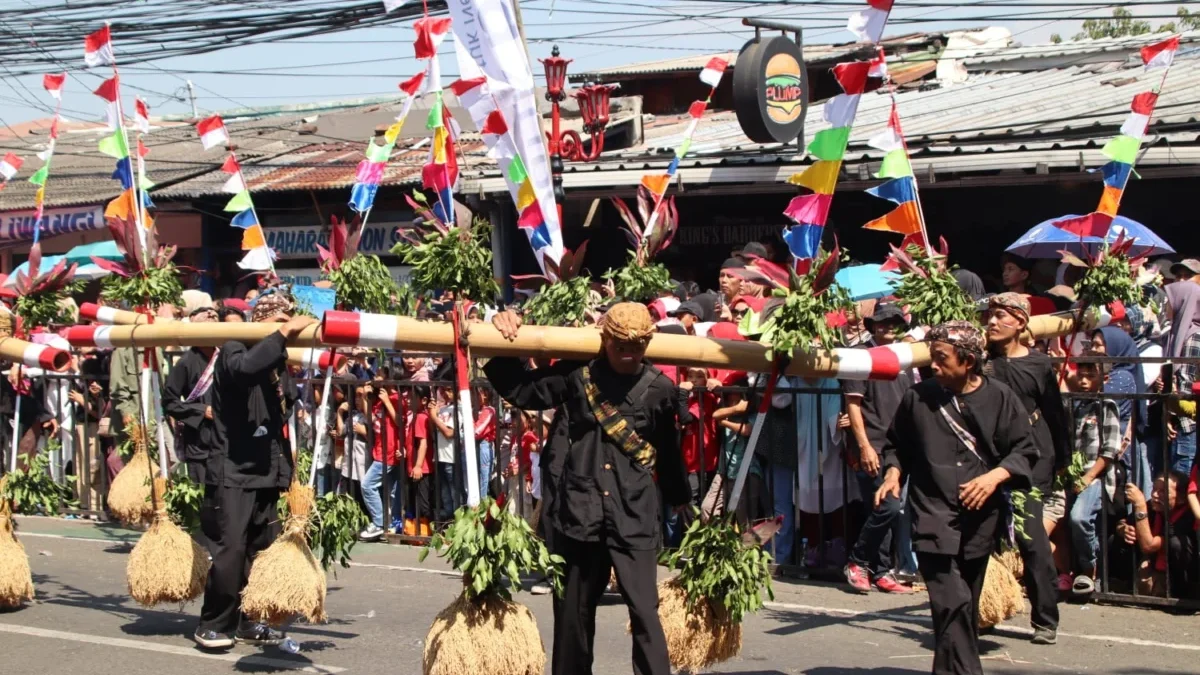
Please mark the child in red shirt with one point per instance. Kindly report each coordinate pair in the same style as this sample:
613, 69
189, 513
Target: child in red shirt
485, 439
419, 464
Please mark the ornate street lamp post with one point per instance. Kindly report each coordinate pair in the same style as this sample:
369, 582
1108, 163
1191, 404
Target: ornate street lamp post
594, 102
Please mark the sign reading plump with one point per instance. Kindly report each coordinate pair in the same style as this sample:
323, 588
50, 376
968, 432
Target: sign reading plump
770, 90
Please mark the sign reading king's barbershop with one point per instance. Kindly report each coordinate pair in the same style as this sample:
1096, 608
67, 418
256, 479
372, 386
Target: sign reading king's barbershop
18, 225
301, 242
770, 90
308, 276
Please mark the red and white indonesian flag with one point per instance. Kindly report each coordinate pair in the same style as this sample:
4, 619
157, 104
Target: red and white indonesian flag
212, 132
98, 49
54, 84
110, 91
1161, 54
868, 24
10, 165
713, 70
235, 184
141, 116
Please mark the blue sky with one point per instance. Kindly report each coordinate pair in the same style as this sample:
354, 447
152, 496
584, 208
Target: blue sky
595, 33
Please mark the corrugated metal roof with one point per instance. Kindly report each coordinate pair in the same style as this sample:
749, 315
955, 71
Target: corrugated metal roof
813, 54
992, 122
1107, 47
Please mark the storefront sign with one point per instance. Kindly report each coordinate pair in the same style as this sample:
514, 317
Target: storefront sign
301, 242
18, 225
723, 235
770, 90
311, 275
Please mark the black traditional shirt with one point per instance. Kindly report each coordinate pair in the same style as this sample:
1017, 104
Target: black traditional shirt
1032, 378
195, 432
923, 445
252, 396
603, 495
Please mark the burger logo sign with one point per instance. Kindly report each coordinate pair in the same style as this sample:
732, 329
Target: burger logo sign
770, 90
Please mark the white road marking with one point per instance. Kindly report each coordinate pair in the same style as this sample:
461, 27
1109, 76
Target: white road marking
1010, 631
248, 659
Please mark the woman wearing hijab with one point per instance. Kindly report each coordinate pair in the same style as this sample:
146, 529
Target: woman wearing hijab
1183, 309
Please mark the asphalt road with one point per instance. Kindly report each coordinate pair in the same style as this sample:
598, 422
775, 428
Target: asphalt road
84, 622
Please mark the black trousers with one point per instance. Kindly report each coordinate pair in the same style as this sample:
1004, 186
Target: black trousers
238, 524
954, 584
1040, 573
587, 574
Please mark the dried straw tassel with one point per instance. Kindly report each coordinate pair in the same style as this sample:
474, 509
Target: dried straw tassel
166, 565
1001, 597
286, 580
129, 494
16, 580
489, 635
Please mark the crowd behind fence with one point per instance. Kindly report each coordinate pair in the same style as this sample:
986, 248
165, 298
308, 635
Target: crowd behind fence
407, 468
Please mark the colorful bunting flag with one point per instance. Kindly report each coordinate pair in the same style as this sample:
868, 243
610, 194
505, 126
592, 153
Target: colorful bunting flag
868, 24
54, 84
830, 144
901, 189
115, 145
904, 219
1160, 54
812, 208
713, 71
840, 110
39, 177
240, 202
141, 116
820, 177
245, 219
852, 76
98, 49
10, 165
431, 31
212, 132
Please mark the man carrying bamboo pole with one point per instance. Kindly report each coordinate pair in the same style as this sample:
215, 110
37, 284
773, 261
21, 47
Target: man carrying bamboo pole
957, 438
621, 417
250, 463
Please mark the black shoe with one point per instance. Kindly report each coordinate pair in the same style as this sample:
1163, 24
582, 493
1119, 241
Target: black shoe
1044, 636
259, 634
211, 639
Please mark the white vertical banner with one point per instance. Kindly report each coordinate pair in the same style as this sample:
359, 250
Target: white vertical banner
490, 42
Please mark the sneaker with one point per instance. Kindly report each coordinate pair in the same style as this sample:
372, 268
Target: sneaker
211, 639
888, 584
372, 533
1064, 583
1044, 636
857, 578
259, 634
541, 588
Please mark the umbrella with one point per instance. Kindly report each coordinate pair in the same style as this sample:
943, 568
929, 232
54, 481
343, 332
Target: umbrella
105, 250
866, 282
82, 273
1045, 240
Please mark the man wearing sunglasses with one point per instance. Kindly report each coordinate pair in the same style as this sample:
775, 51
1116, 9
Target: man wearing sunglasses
621, 417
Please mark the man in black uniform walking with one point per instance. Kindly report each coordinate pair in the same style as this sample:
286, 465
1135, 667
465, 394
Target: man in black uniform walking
249, 464
621, 419
1032, 377
957, 437
187, 399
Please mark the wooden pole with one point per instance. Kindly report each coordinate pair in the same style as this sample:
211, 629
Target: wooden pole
352, 329
33, 355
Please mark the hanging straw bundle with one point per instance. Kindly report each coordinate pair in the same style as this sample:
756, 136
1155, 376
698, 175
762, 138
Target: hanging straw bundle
166, 565
286, 580
696, 638
488, 634
130, 492
16, 580
1011, 558
1002, 597
483, 630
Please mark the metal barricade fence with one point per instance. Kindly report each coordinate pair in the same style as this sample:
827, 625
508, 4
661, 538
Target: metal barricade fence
804, 470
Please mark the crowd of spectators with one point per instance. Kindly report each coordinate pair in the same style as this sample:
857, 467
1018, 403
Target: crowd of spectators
1126, 509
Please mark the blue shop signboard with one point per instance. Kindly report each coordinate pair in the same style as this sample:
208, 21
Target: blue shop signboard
18, 225
292, 243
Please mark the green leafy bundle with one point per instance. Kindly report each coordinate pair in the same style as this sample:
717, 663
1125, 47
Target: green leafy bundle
802, 320
640, 282
33, 491
129, 440
489, 546
183, 498
564, 298
153, 286
930, 290
1108, 276
716, 566
1020, 507
333, 529
364, 283
449, 258
44, 308
1071, 477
